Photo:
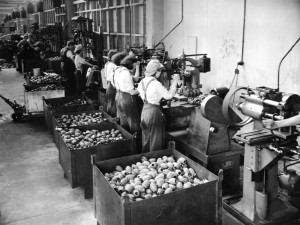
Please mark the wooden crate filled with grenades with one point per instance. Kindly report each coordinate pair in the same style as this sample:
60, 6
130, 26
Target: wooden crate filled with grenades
76, 145
65, 105
160, 187
78, 119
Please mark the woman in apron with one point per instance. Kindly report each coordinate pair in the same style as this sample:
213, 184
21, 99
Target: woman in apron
152, 118
126, 96
80, 77
114, 60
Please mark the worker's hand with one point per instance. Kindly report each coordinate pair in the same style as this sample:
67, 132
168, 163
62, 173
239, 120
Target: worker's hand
270, 124
176, 78
137, 64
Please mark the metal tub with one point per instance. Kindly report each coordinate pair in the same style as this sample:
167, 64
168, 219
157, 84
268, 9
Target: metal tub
48, 110
56, 124
77, 163
200, 204
34, 100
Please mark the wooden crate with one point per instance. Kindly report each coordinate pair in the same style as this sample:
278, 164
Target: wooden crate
29, 82
49, 110
200, 204
77, 163
34, 99
56, 124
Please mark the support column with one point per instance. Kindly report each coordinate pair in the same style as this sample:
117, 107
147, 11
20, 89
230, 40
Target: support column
154, 22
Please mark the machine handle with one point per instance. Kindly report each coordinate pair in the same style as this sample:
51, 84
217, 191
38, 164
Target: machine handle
273, 116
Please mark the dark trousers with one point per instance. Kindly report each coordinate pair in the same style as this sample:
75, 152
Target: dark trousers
69, 73
127, 110
153, 128
111, 100
80, 82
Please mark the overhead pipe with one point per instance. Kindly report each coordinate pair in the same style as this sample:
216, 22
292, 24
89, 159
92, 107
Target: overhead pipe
144, 22
241, 62
243, 41
130, 24
174, 27
108, 12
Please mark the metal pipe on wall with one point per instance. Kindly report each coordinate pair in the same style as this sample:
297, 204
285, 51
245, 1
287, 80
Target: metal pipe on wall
278, 75
144, 22
173, 27
244, 25
130, 24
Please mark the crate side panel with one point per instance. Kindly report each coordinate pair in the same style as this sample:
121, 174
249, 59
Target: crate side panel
66, 162
113, 150
110, 165
196, 205
109, 208
35, 99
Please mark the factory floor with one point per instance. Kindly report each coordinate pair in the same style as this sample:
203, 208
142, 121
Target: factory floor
33, 190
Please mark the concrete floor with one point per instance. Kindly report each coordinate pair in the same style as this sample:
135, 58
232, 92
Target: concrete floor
33, 190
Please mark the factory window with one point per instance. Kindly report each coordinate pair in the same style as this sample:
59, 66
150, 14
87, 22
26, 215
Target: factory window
121, 21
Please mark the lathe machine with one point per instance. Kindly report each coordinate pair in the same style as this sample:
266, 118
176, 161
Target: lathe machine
262, 201
199, 129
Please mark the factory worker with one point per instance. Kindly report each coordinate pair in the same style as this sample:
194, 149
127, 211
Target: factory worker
68, 67
126, 97
79, 74
271, 124
109, 69
152, 118
26, 47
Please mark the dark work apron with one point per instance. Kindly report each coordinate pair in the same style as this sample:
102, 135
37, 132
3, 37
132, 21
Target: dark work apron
68, 68
127, 110
152, 124
80, 82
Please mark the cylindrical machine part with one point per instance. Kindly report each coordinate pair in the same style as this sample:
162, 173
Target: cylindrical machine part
273, 116
272, 103
253, 110
220, 91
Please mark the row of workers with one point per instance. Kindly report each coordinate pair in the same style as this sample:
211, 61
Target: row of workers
72, 65
122, 72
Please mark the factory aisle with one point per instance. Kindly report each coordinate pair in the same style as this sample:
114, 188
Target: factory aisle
33, 190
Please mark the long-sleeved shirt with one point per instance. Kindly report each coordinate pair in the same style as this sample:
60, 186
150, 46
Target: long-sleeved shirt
109, 69
79, 62
123, 79
155, 91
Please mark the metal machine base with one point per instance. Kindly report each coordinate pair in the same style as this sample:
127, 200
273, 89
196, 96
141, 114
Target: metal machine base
283, 213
